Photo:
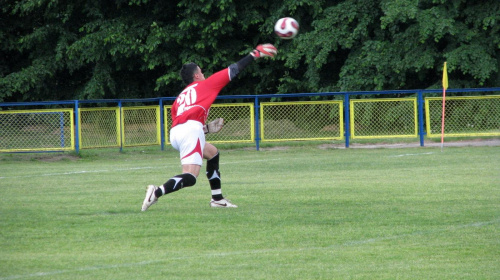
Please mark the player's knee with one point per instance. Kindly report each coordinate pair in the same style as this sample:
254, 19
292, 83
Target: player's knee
188, 179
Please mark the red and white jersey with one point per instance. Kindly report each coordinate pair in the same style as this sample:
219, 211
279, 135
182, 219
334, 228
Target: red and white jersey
194, 102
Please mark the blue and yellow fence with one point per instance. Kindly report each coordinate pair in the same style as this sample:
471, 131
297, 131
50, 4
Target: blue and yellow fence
349, 116
301, 120
464, 116
239, 122
384, 118
43, 130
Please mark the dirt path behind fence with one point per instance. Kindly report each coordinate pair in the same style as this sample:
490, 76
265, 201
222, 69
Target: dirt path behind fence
464, 143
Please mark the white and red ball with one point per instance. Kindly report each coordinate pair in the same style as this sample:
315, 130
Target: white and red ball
286, 28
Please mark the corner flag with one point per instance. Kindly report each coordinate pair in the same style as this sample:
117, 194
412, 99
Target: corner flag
445, 87
445, 77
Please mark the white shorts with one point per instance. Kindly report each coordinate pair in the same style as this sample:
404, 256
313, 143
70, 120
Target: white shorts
189, 139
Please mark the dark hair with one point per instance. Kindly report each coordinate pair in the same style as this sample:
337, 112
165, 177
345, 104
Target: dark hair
187, 72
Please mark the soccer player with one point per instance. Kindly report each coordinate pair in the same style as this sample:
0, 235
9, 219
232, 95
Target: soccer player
187, 135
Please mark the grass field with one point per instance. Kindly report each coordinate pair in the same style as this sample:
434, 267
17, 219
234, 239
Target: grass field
304, 213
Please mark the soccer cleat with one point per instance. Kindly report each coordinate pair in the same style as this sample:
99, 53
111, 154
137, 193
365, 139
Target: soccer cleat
223, 203
150, 197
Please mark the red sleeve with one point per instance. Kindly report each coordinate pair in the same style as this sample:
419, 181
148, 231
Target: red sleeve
210, 88
218, 80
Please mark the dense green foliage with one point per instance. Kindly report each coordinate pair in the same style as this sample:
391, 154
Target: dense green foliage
90, 49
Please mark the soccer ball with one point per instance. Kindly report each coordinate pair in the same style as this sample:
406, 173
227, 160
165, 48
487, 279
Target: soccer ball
286, 28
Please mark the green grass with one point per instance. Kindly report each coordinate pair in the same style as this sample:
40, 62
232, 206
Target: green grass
304, 213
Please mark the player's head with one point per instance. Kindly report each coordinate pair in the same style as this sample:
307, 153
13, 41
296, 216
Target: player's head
191, 72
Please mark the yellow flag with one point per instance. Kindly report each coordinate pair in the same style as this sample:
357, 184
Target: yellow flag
445, 77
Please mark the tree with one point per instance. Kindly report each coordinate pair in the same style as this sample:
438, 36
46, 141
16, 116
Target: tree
91, 49
401, 44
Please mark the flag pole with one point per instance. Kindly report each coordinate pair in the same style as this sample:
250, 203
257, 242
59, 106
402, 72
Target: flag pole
445, 86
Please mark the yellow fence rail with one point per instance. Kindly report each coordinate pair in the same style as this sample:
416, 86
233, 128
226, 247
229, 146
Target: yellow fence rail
99, 127
464, 116
37, 130
307, 120
239, 123
383, 118
141, 126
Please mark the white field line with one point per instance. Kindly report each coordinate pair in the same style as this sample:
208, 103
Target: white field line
80, 172
249, 252
122, 169
405, 155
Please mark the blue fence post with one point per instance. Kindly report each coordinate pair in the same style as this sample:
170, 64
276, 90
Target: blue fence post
257, 124
420, 102
77, 128
347, 129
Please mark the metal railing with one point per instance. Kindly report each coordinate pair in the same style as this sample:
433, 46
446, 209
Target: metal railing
75, 125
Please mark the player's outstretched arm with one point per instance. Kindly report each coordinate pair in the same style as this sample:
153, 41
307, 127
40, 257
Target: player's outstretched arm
263, 50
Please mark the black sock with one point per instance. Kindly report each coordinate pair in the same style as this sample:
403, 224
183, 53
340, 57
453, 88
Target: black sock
213, 176
176, 183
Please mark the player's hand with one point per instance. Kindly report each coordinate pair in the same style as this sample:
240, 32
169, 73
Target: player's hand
264, 50
214, 126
